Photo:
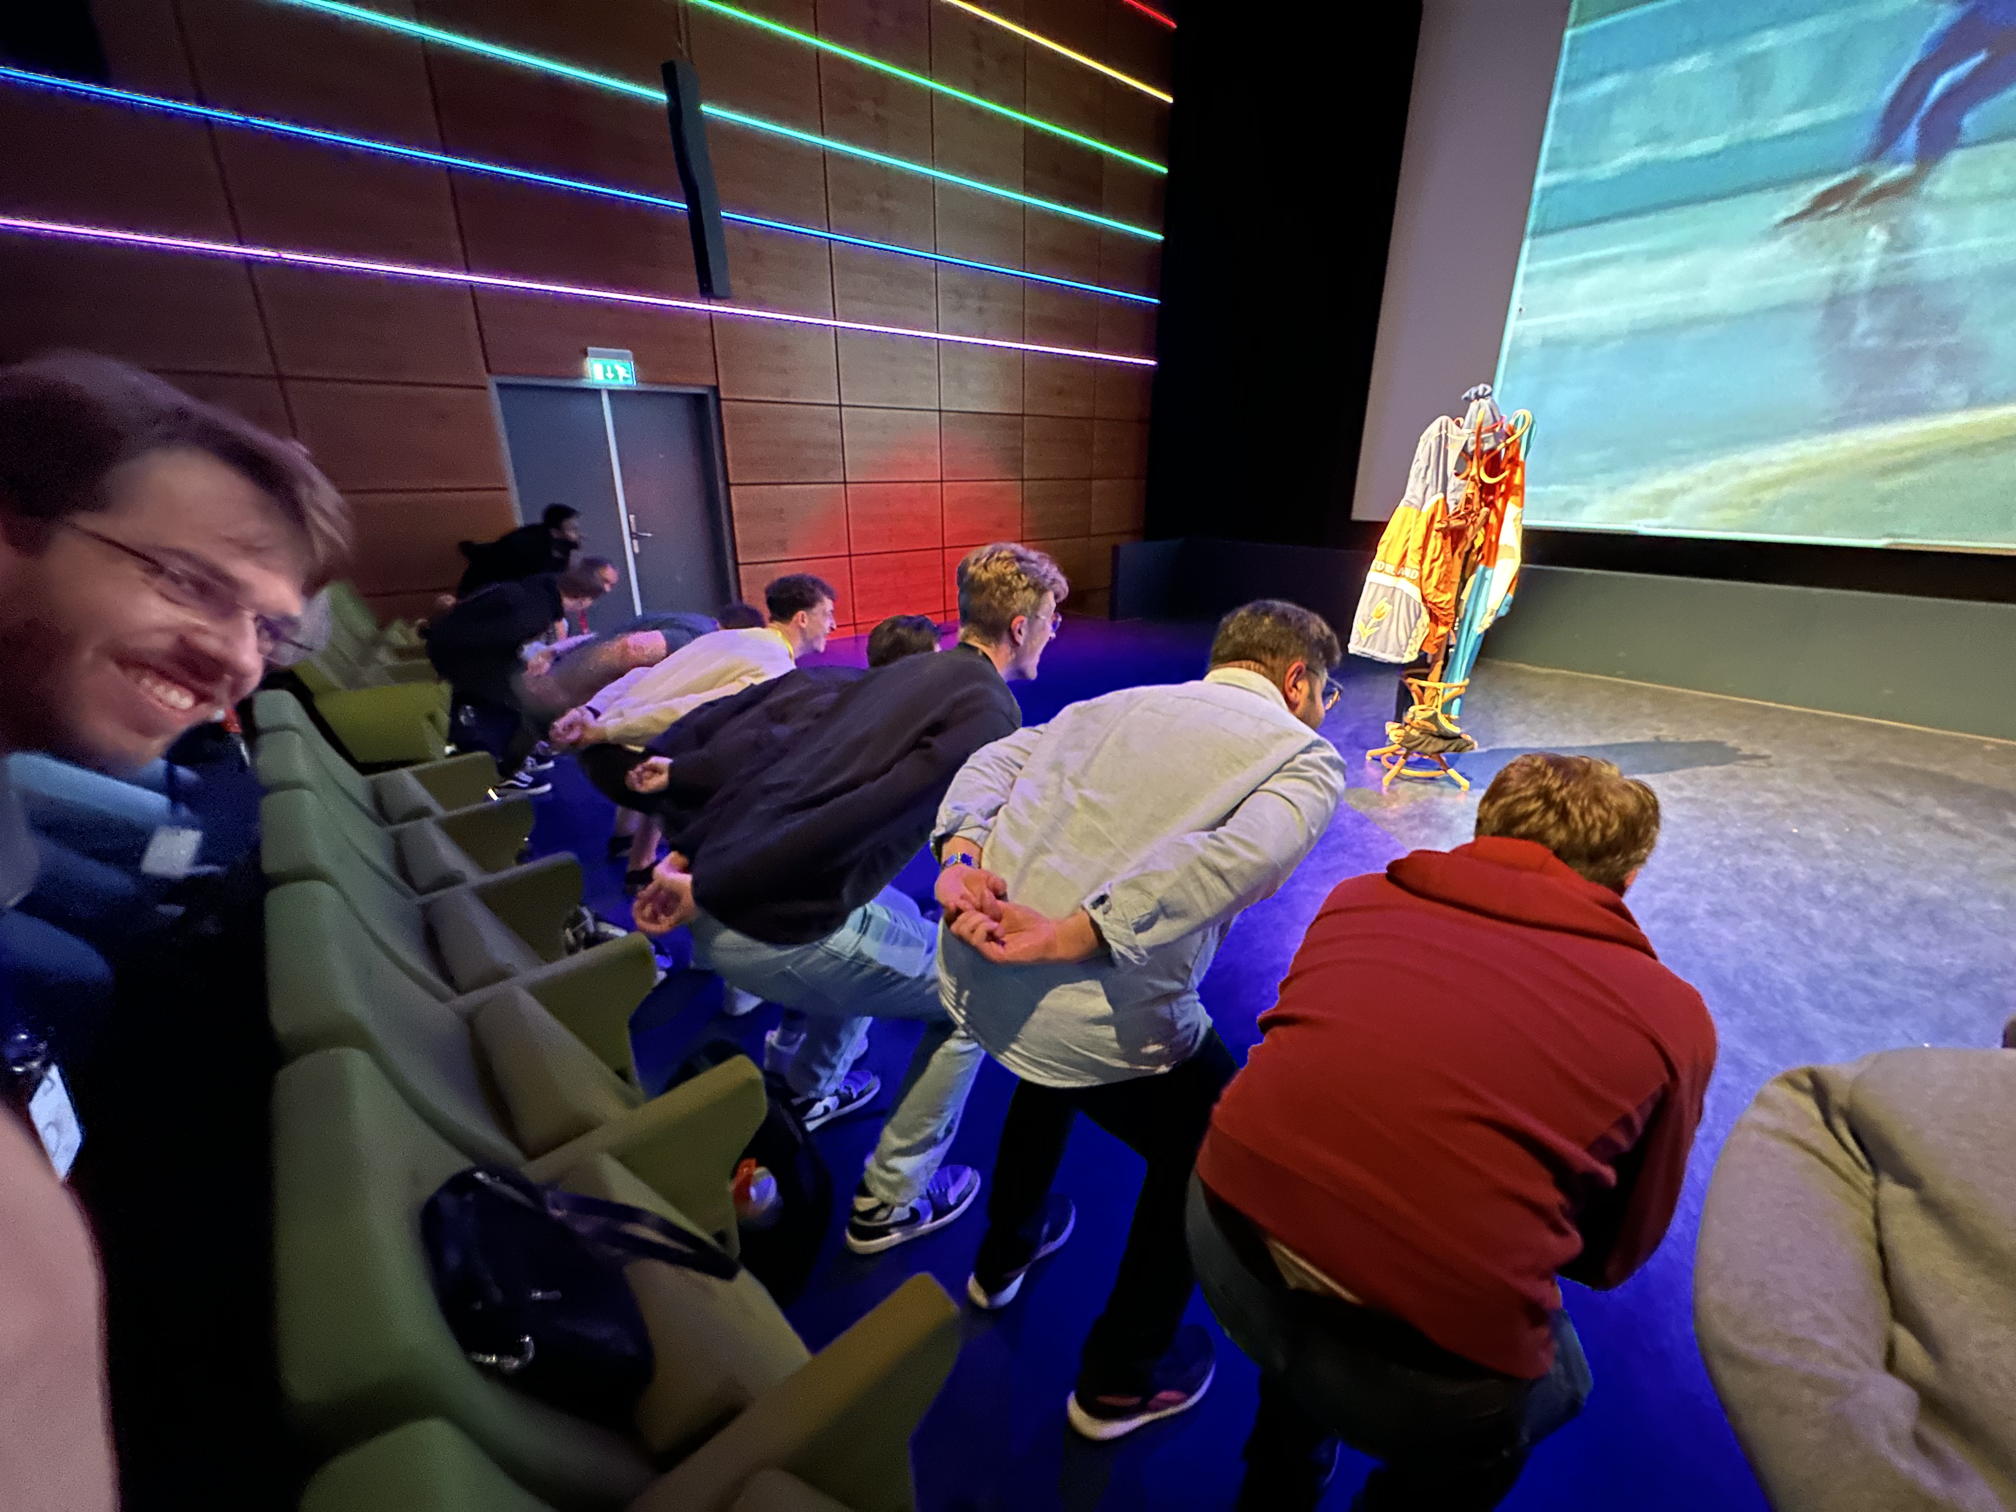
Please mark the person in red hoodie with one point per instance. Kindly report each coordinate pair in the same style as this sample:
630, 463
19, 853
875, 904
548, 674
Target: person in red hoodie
1478, 1078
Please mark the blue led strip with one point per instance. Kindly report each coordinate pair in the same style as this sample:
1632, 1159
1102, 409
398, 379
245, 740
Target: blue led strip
524, 175
610, 82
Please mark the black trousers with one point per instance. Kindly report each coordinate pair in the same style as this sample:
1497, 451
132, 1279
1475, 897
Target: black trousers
500, 729
1162, 1119
1451, 1435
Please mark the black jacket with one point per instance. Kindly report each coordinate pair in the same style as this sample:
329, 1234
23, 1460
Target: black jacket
475, 645
522, 553
800, 799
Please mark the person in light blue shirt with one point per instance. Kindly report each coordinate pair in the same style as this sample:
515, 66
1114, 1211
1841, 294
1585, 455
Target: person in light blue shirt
1091, 866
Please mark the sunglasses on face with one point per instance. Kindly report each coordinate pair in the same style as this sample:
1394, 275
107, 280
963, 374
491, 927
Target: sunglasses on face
203, 590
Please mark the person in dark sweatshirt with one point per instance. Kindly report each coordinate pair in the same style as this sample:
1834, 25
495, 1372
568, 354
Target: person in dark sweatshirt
478, 647
790, 808
546, 545
1478, 1078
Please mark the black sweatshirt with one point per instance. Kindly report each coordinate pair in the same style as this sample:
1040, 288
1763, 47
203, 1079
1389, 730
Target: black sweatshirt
800, 799
475, 645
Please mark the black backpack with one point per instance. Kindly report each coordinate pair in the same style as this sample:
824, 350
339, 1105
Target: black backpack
530, 1280
783, 1249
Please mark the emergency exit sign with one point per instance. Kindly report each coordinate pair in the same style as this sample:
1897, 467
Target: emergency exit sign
611, 366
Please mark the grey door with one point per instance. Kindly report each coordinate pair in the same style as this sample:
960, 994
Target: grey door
644, 468
558, 441
666, 457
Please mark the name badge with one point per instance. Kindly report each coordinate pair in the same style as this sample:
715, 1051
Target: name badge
171, 852
55, 1121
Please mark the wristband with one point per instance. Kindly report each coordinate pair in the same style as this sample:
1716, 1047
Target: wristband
962, 859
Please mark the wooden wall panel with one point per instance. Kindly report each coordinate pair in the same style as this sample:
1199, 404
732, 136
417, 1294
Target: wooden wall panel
977, 513
876, 460
406, 541
533, 336
981, 447
836, 570
777, 522
895, 516
890, 445
370, 329
375, 436
782, 443
160, 312
1052, 509
897, 582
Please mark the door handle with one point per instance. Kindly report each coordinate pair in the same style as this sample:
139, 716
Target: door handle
640, 535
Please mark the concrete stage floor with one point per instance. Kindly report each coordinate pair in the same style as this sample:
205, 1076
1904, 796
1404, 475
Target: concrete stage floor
1833, 886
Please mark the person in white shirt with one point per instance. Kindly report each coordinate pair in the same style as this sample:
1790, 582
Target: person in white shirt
611, 729
1090, 868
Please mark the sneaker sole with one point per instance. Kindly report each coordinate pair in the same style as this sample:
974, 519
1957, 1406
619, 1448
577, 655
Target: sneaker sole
994, 1301
888, 1239
1105, 1430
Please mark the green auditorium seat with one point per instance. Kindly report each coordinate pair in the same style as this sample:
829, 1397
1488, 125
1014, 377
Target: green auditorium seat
429, 852
364, 1350
421, 789
507, 928
495, 1074
432, 1467
352, 622
384, 713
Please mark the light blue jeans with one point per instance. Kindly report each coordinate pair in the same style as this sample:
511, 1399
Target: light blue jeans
881, 963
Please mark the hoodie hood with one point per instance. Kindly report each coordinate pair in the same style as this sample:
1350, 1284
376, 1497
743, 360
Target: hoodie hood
1521, 882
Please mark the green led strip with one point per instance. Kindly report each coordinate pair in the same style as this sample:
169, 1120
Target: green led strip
657, 96
880, 66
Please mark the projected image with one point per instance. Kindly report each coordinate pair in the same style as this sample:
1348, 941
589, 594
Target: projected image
1769, 283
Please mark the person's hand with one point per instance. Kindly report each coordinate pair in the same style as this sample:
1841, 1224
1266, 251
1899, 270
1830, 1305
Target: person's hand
540, 662
969, 889
570, 730
667, 900
651, 775
1023, 936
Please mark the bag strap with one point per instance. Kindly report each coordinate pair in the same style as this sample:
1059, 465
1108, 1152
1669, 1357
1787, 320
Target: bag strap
612, 1225
617, 1226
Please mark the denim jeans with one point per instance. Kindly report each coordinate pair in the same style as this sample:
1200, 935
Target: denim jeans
1448, 1433
881, 963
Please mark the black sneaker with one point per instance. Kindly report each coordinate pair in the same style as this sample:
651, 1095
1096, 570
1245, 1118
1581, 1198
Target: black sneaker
876, 1226
586, 930
1179, 1382
525, 780
857, 1089
997, 1291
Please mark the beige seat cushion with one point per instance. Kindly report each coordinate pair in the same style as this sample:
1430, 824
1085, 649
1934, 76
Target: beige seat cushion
551, 1085
719, 1344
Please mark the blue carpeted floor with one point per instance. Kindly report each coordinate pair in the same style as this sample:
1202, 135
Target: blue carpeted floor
1833, 886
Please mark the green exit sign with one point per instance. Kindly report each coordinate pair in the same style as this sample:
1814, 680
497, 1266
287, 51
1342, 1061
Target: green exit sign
613, 367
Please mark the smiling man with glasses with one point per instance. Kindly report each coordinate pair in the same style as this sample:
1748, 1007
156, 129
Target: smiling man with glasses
154, 552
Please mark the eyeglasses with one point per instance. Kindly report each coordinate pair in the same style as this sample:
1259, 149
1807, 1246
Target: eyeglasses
204, 590
1331, 693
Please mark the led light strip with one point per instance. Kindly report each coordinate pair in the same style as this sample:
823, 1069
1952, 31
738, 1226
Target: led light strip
882, 66
1149, 10
1058, 47
526, 175
657, 96
68, 231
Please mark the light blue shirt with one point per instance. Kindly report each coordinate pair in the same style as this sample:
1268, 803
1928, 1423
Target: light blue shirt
1163, 812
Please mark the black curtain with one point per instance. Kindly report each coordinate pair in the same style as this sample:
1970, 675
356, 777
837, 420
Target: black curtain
1284, 159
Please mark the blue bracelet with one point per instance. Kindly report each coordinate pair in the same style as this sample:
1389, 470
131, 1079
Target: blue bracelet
962, 859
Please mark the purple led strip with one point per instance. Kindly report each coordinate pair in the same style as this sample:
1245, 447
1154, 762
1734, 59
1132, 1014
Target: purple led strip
66, 231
